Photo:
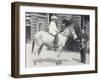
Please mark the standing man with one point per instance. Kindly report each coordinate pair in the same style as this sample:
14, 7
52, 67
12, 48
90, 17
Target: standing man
83, 51
53, 30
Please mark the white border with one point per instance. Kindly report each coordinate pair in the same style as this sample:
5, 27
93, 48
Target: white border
36, 70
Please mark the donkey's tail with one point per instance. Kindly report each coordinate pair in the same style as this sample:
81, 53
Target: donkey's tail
33, 45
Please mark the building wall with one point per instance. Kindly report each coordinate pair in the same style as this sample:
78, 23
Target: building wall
37, 22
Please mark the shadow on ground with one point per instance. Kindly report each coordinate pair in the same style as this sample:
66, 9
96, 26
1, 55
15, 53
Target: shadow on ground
50, 60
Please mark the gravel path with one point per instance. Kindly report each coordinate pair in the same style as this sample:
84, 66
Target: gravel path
48, 57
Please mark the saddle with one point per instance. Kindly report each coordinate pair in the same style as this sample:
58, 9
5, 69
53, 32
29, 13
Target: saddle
56, 39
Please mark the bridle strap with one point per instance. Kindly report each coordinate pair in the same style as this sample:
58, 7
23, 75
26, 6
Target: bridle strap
64, 34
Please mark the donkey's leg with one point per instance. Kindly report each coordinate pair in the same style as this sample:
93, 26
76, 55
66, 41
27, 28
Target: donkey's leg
38, 51
35, 56
58, 56
35, 52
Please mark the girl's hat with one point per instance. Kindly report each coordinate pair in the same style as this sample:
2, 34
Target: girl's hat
53, 17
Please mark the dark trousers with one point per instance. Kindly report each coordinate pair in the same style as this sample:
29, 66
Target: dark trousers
56, 41
83, 55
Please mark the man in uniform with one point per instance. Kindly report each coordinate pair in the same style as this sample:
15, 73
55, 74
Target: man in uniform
83, 51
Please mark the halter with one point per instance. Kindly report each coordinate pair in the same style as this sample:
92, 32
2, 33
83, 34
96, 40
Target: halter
64, 34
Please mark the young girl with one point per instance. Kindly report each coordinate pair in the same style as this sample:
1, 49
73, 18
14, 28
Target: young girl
53, 30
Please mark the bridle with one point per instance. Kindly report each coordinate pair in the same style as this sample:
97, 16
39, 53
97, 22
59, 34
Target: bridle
71, 32
64, 33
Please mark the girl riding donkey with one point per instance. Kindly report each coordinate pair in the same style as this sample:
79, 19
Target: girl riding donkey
44, 38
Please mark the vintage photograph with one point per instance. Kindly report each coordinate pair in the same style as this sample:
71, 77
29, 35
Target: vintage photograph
55, 39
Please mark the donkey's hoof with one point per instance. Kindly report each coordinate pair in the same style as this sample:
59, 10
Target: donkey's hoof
58, 62
40, 61
35, 62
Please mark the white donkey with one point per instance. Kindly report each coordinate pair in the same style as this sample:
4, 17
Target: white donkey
44, 38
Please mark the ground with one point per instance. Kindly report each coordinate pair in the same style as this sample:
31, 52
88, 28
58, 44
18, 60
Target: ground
48, 57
